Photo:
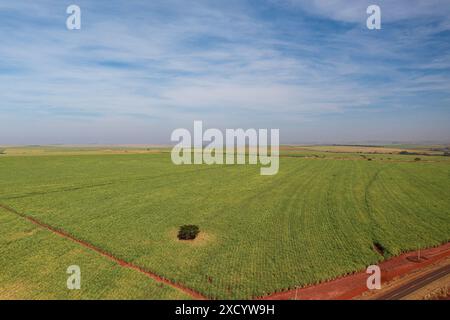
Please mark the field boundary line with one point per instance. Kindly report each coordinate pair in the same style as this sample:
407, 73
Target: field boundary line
352, 285
121, 262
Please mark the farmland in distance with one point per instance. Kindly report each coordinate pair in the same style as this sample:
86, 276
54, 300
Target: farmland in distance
318, 218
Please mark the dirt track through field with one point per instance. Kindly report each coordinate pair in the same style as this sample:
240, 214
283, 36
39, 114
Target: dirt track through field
120, 262
345, 287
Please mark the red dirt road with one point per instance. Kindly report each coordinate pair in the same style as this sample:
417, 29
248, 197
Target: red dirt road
354, 285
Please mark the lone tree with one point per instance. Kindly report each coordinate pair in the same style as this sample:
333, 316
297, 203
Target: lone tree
2, 151
188, 232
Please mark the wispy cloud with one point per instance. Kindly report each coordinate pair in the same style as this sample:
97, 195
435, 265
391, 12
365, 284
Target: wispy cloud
161, 64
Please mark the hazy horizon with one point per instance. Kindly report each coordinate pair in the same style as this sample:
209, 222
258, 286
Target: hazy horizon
136, 71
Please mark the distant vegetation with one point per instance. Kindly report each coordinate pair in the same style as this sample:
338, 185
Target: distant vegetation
188, 232
411, 153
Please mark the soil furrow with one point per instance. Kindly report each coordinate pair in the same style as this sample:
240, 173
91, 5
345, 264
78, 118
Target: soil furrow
108, 255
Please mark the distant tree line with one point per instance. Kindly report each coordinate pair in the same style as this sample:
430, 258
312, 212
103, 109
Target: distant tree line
445, 154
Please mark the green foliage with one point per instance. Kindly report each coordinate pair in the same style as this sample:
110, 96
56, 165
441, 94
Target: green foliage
188, 232
315, 220
33, 264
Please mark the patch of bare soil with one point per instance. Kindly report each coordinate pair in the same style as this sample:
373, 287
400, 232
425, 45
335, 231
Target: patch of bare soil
439, 294
203, 238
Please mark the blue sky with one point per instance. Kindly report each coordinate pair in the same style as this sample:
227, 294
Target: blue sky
139, 69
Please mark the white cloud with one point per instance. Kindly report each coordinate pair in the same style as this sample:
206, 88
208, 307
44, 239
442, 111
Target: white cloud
206, 60
355, 10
